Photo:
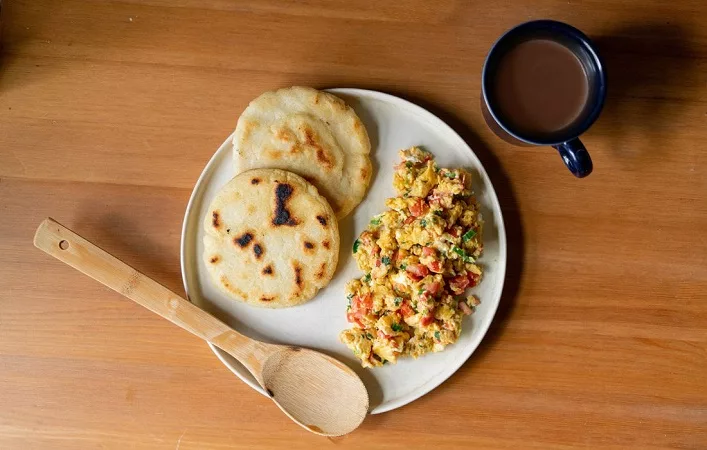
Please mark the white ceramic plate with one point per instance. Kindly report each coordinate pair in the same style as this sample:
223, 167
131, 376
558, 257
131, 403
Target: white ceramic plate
392, 124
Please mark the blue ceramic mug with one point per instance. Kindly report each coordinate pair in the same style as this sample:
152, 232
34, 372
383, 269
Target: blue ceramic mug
565, 140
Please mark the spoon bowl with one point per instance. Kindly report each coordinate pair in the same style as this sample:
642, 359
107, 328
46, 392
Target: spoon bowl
315, 390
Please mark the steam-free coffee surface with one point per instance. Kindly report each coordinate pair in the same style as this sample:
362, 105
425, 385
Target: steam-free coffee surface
540, 87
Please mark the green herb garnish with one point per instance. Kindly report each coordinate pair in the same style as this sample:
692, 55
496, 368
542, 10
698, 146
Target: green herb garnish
384, 361
369, 336
403, 266
396, 327
450, 175
356, 244
376, 221
469, 234
397, 301
420, 292
423, 222
437, 335
463, 254
437, 212
408, 164
367, 278
385, 260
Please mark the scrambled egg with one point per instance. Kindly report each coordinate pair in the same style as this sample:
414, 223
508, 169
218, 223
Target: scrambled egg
419, 258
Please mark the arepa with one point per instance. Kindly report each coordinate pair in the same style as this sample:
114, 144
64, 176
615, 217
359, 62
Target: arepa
311, 133
270, 239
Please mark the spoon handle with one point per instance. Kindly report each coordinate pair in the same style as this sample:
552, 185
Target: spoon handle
70, 248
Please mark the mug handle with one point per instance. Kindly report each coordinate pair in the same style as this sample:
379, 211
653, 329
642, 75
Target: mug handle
575, 157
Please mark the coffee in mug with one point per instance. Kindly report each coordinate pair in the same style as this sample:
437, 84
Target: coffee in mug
544, 84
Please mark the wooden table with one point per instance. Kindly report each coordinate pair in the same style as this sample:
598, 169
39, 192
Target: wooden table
109, 111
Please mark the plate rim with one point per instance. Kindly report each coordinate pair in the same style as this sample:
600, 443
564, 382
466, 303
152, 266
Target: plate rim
451, 369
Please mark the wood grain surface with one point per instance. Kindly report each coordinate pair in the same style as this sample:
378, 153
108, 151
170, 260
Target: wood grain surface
109, 110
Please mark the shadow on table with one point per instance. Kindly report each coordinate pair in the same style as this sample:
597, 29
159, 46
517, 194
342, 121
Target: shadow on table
649, 67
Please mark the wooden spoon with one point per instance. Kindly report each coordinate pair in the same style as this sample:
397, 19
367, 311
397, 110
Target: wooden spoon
316, 391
